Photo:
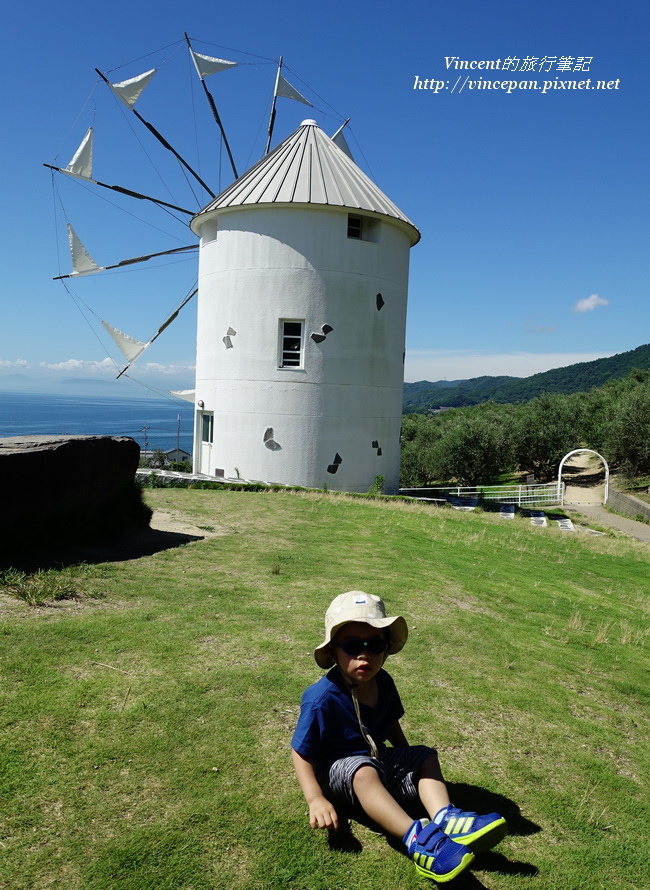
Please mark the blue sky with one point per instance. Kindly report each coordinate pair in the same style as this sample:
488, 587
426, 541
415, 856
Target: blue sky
533, 206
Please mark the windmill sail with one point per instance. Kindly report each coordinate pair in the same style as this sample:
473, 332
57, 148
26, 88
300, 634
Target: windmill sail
129, 346
287, 91
82, 163
116, 188
187, 394
341, 142
129, 91
82, 262
206, 65
284, 89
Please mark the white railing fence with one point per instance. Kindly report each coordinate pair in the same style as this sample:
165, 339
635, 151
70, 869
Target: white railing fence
549, 494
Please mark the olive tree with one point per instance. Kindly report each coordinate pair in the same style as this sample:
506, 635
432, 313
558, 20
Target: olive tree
545, 429
476, 447
627, 437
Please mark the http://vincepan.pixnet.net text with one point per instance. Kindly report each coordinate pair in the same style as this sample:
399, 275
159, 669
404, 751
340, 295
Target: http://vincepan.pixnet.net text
542, 74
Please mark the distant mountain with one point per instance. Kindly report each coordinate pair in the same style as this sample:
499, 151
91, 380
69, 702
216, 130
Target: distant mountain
424, 396
71, 386
90, 386
16, 382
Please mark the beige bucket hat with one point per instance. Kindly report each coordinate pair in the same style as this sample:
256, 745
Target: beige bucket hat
364, 607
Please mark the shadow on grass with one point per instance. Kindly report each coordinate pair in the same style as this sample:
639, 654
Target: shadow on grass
467, 797
343, 840
119, 548
472, 797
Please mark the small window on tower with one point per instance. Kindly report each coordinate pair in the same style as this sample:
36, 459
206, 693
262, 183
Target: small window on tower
363, 228
209, 232
354, 226
207, 427
290, 344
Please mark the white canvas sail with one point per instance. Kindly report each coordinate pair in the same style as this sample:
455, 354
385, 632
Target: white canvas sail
206, 65
82, 163
282, 88
129, 346
285, 90
132, 348
129, 91
341, 142
82, 262
187, 394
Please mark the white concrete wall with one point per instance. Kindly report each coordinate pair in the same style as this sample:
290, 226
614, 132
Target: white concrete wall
269, 263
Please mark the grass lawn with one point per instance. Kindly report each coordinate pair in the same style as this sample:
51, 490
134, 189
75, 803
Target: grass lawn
146, 726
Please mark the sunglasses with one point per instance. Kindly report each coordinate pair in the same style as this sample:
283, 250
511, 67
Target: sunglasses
354, 646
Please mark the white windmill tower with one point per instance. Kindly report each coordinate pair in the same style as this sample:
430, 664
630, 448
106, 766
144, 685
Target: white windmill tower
303, 276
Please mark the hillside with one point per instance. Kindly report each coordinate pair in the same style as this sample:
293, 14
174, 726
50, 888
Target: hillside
424, 396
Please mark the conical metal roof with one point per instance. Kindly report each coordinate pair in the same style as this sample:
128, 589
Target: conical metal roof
308, 168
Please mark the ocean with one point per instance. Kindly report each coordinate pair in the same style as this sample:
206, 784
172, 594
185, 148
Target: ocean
153, 423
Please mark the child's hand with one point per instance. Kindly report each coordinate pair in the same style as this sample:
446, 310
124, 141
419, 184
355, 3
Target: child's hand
322, 814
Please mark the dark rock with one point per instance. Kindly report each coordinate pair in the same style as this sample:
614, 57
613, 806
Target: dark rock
67, 490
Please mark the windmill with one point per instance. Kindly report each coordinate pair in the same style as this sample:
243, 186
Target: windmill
302, 292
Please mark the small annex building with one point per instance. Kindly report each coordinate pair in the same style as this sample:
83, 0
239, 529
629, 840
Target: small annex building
303, 278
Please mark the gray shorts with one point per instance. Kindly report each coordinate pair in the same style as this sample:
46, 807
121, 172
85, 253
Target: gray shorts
397, 768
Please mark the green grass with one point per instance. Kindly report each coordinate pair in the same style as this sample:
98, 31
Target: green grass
146, 725
46, 585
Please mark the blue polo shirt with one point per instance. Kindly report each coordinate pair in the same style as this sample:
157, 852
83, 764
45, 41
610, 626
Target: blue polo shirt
328, 728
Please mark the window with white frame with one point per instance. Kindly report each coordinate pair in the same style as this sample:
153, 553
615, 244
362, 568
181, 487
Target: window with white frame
290, 343
207, 428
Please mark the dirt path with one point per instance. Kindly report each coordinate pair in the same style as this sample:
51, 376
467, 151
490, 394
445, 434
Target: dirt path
600, 516
584, 475
166, 521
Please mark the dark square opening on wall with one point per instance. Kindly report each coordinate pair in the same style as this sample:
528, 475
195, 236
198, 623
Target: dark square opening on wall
354, 226
363, 228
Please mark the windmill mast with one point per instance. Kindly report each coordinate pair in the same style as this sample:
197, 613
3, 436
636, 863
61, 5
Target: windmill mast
162, 140
213, 108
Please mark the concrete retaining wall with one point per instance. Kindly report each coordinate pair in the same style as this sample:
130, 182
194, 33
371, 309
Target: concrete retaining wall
627, 504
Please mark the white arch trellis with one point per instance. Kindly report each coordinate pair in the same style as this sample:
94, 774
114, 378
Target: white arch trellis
577, 451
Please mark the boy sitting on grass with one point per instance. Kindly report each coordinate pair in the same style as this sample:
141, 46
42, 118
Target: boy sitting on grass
341, 760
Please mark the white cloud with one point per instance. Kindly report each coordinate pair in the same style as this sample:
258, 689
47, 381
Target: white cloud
588, 304
89, 368
436, 365
20, 364
82, 367
167, 370
53, 374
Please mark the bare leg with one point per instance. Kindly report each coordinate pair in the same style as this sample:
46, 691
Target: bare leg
431, 786
378, 803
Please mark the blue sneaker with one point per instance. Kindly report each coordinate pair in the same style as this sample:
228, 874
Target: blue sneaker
434, 854
480, 833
